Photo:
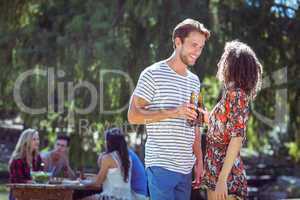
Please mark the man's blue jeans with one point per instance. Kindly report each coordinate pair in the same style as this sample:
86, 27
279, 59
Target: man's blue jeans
168, 185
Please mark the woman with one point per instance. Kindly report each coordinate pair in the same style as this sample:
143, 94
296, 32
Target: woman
115, 167
240, 72
25, 158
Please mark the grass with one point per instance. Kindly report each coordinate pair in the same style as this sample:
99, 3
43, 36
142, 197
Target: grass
3, 196
3, 166
3, 192
3, 188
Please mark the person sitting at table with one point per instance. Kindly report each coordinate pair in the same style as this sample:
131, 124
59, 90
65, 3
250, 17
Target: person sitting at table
25, 158
115, 169
57, 161
139, 188
139, 185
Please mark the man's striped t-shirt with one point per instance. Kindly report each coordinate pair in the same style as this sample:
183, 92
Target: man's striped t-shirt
169, 142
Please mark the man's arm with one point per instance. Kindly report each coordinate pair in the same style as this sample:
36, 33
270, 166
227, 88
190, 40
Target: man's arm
197, 144
70, 172
67, 166
198, 168
139, 114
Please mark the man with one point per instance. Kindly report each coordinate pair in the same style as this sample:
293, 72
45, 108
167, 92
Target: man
57, 160
161, 101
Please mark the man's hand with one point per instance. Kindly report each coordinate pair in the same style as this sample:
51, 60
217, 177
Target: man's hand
199, 172
187, 111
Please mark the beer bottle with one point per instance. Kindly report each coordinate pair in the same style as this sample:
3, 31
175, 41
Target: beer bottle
192, 101
200, 116
81, 173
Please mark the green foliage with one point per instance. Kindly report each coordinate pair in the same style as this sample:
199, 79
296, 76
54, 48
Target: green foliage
3, 190
294, 150
253, 142
84, 37
210, 91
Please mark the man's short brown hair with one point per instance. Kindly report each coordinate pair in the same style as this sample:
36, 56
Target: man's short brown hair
63, 137
183, 29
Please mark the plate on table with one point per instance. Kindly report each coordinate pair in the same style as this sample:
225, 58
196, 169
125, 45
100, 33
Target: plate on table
56, 180
70, 182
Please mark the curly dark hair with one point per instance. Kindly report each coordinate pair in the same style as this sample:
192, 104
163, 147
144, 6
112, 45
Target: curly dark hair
115, 141
240, 68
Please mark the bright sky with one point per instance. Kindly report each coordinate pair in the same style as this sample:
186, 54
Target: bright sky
281, 10
290, 12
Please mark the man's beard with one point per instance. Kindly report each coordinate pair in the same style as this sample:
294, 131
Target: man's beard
184, 59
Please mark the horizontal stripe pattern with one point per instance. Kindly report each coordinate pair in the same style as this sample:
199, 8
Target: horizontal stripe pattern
169, 142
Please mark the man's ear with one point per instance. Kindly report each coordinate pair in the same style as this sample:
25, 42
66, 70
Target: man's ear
177, 42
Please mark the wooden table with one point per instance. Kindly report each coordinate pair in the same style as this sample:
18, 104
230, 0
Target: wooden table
51, 192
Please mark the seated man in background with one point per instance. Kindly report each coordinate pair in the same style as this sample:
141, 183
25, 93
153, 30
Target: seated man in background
57, 161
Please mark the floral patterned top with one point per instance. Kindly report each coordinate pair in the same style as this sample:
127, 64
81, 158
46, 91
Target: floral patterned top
228, 119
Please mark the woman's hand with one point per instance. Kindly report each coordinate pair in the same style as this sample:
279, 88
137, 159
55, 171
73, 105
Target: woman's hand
205, 114
221, 192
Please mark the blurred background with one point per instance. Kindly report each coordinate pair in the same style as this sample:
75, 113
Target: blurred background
70, 66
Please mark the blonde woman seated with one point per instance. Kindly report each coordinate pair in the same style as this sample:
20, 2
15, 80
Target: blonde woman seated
115, 170
25, 158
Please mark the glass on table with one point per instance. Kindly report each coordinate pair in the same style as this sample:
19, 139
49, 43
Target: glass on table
56, 180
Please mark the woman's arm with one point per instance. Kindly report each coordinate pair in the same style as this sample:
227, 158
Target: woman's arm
232, 152
106, 163
99, 159
237, 115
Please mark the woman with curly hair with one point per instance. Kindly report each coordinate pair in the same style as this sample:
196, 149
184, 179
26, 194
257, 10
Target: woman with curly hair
240, 72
